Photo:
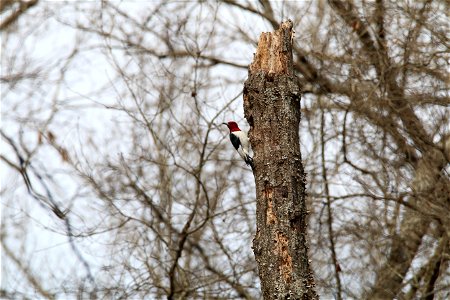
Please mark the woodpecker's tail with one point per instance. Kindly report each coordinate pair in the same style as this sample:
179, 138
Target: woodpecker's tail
249, 161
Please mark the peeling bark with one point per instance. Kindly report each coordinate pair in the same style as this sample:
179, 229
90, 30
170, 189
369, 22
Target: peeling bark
272, 108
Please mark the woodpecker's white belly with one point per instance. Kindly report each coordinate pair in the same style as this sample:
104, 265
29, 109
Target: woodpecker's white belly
244, 149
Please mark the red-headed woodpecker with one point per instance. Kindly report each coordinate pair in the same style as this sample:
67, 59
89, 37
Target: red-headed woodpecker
240, 142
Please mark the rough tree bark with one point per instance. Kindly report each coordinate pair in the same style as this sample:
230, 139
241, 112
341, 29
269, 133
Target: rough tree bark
272, 108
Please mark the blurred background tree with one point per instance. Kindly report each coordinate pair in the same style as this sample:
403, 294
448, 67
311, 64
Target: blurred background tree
117, 182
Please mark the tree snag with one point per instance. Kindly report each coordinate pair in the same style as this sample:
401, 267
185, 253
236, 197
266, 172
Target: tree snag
272, 108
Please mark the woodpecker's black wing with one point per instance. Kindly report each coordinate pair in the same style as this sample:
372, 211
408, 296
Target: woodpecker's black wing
235, 141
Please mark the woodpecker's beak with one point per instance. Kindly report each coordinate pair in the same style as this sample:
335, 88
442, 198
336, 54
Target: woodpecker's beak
225, 124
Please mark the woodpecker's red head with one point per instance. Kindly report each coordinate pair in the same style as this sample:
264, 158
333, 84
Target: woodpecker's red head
233, 126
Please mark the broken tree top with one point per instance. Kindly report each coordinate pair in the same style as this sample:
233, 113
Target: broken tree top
274, 53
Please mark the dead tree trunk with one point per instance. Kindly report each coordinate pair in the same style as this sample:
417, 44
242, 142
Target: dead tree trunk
272, 108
